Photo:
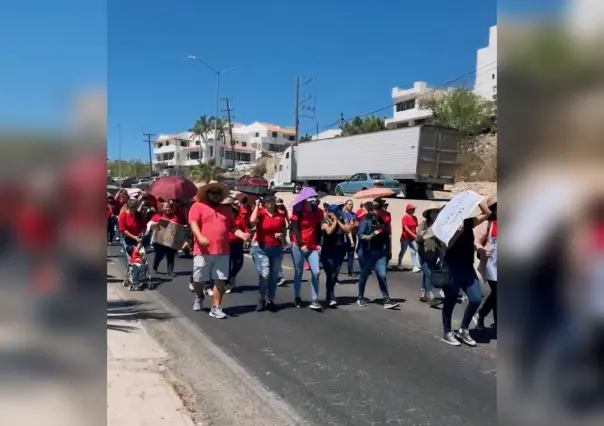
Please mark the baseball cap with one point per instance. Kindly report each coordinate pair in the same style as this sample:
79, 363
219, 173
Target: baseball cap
409, 207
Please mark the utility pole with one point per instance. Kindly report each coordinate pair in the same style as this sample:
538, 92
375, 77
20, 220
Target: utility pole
231, 141
299, 83
317, 130
342, 120
119, 144
148, 142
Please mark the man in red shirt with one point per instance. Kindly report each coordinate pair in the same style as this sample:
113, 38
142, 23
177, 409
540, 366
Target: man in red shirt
211, 223
408, 236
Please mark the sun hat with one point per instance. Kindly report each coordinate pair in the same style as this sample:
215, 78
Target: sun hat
409, 207
212, 186
432, 207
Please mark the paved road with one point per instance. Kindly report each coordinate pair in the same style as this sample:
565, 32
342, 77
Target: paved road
351, 365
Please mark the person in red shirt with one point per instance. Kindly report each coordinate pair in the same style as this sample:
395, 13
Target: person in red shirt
283, 210
409, 224
306, 219
130, 224
166, 214
110, 219
211, 223
136, 265
267, 248
236, 244
382, 211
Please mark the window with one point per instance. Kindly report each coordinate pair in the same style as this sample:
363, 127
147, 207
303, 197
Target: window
378, 176
243, 143
401, 125
287, 155
184, 142
193, 155
405, 105
257, 134
274, 134
354, 178
197, 143
362, 177
493, 76
291, 138
495, 97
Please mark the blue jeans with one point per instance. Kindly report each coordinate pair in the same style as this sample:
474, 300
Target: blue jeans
268, 262
427, 268
312, 257
412, 246
463, 278
332, 259
378, 261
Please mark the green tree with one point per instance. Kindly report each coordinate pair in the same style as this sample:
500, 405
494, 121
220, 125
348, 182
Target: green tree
360, 125
129, 168
201, 128
461, 109
305, 138
206, 171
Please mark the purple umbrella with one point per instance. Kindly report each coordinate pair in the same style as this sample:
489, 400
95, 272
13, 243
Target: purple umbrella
304, 194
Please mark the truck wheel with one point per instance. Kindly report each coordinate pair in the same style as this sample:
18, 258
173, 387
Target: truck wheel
363, 189
339, 191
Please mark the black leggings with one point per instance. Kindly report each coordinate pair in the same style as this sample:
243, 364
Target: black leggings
490, 304
332, 259
161, 252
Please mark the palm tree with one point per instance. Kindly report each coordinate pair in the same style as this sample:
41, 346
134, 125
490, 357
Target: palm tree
201, 128
206, 171
221, 127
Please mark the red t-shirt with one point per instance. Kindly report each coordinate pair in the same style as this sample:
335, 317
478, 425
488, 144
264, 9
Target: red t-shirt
387, 218
361, 213
130, 222
240, 223
494, 229
409, 221
268, 226
214, 224
308, 222
135, 257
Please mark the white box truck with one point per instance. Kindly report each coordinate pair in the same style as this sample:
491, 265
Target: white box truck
420, 158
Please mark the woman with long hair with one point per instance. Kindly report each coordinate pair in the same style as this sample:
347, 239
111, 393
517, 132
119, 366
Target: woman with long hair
333, 249
267, 248
350, 219
485, 241
236, 260
306, 220
283, 210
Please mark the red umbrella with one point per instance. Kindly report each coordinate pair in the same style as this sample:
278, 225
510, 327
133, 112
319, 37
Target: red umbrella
173, 188
374, 193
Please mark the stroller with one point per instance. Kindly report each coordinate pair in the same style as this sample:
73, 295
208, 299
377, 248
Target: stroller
143, 280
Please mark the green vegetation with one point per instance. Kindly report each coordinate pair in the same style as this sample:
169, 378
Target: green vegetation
360, 125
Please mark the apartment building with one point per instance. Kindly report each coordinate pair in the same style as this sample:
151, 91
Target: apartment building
407, 109
486, 67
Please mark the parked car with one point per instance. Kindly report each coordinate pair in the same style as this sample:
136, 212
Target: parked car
229, 181
244, 166
253, 184
143, 183
362, 181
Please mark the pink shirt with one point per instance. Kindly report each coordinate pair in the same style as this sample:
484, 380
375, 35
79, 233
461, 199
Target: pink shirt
214, 224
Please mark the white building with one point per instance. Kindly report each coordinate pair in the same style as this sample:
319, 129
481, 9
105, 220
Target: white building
486, 68
251, 142
327, 134
406, 110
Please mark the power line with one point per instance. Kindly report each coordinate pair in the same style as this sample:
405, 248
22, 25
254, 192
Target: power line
341, 120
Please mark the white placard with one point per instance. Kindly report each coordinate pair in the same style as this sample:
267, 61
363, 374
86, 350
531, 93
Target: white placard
454, 213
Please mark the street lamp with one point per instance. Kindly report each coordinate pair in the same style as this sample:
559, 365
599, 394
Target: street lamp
218, 74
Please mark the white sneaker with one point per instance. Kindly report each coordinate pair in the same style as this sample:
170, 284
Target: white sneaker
191, 287
416, 269
216, 312
282, 282
209, 292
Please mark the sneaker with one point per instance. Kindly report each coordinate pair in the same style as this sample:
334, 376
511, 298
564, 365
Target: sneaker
261, 305
424, 299
464, 335
442, 293
332, 303
449, 338
197, 304
216, 312
228, 289
416, 269
314, 304
270, 305
172, 274
209, 292
191, 286
390, 304
298, 302
282, 282
361, 301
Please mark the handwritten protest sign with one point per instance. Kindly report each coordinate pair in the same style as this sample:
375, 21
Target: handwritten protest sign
453, 214
169, 234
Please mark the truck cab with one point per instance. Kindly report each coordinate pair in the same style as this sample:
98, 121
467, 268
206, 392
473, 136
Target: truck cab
284, 178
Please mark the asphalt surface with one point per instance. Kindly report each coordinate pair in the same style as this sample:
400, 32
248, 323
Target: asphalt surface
351, 365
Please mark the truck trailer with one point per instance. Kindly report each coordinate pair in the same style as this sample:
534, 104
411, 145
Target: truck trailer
421, 158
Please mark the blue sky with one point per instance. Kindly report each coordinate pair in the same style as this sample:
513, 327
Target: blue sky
138, 48
356, 55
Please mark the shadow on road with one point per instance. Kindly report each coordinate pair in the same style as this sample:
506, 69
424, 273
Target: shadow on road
131, 310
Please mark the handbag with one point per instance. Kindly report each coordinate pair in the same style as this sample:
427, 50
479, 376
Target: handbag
441, 277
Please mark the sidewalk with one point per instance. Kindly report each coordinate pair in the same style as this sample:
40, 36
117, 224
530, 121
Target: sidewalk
137, 391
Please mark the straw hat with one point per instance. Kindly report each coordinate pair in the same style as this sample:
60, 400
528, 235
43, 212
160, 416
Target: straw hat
432, 207
212, 185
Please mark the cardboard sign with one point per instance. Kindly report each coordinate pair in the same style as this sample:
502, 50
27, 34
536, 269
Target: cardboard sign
454, 213
169, 234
